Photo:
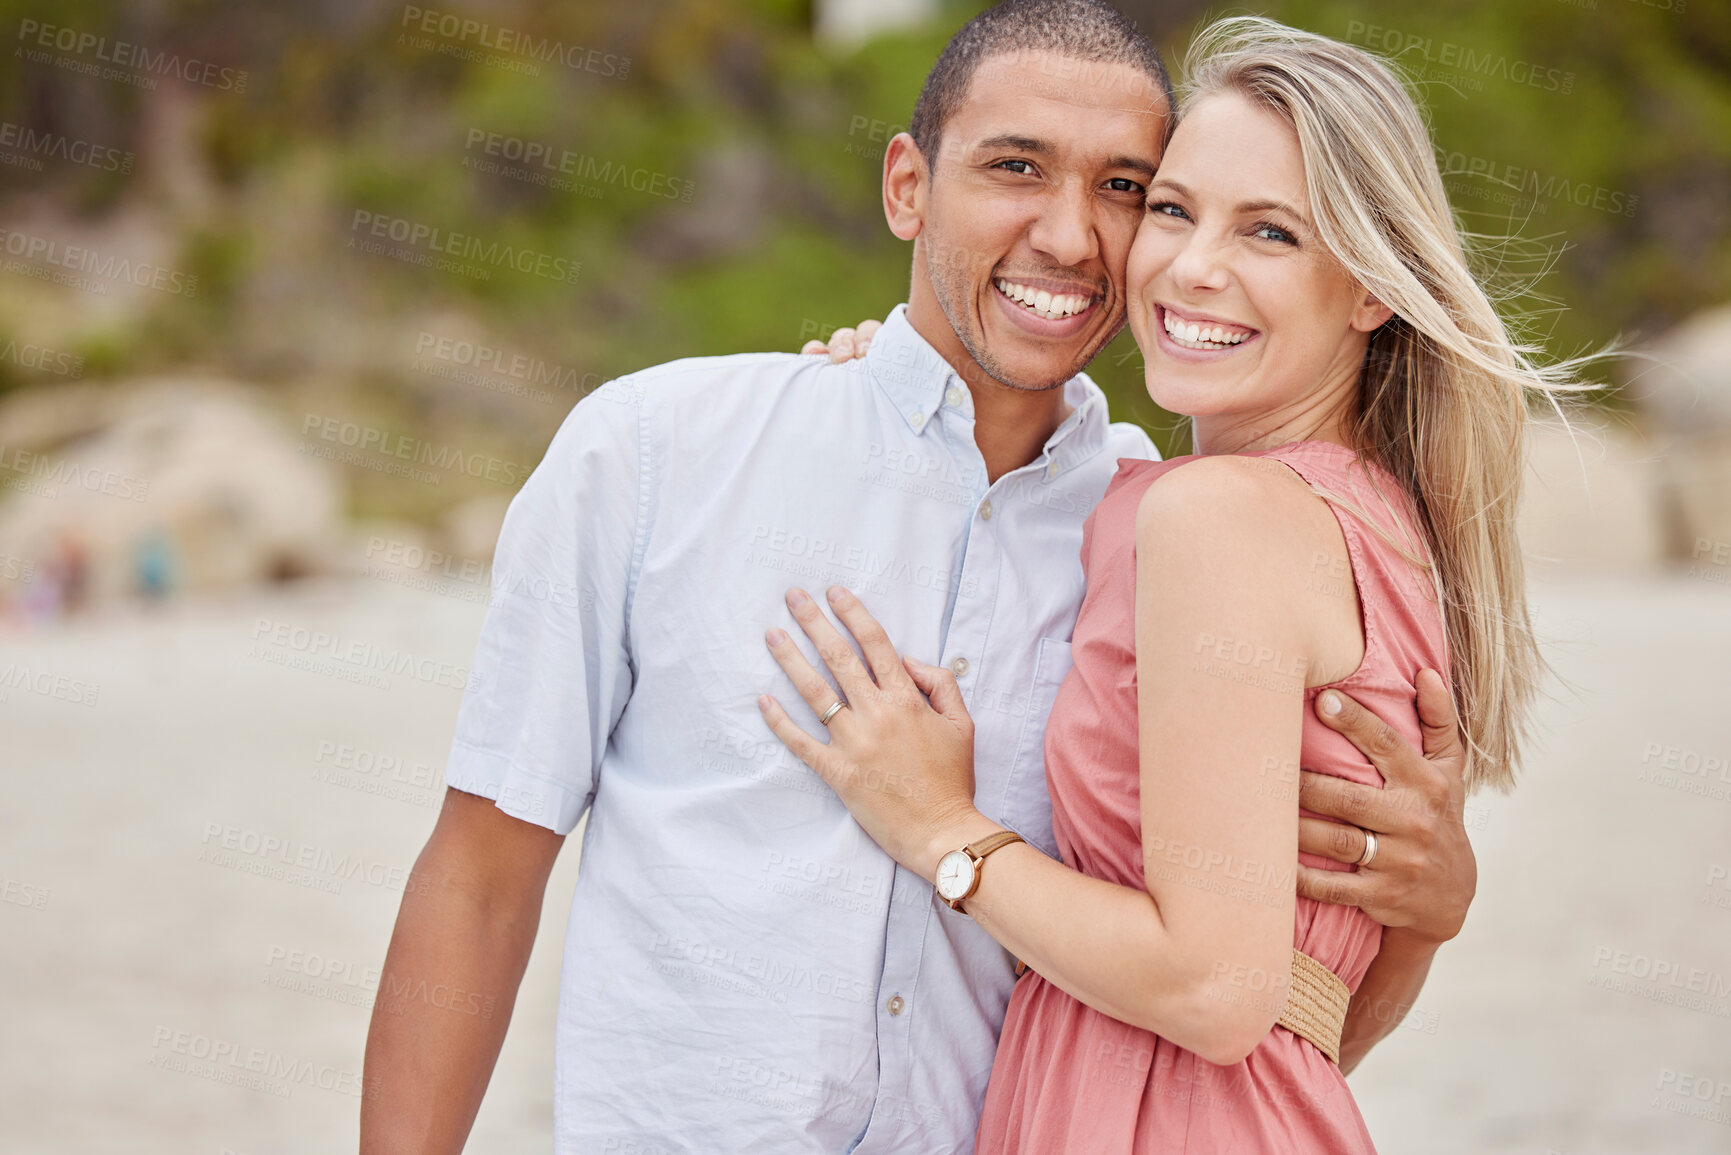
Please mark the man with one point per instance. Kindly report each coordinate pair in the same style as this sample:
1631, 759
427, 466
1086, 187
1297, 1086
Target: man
744, 969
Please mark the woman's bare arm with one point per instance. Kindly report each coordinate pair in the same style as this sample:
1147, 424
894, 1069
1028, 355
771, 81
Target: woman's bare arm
1224, 545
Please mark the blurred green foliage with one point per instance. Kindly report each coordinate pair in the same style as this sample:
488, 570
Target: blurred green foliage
1597, 131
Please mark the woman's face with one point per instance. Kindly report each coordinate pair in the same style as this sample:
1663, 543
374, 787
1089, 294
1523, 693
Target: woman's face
1246, 322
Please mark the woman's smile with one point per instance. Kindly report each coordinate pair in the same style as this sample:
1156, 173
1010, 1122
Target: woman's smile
1197, 337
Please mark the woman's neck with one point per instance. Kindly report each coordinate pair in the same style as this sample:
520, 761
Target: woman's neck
1322, 415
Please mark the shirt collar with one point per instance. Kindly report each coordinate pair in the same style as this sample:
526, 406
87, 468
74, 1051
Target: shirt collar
917, 379
913, 374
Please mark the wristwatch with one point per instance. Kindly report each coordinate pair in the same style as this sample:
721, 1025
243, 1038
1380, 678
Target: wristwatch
959, 870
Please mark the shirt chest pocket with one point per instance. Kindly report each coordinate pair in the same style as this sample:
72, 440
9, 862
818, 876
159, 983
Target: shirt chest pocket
1027, 807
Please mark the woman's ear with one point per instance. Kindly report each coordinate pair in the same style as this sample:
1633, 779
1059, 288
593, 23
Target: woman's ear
1370, 314
906, 179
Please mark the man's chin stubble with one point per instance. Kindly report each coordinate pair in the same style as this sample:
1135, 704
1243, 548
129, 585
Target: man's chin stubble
1000, 374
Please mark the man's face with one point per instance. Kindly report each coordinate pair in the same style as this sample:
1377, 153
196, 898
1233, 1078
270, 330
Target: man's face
1032, 206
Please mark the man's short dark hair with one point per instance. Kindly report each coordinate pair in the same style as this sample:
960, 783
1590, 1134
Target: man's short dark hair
1091, 31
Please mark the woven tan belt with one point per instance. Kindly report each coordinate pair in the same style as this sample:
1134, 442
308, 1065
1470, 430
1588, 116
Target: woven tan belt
1315, 1005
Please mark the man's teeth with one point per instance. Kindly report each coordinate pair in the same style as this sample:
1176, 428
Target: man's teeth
1044, 304
1194, 336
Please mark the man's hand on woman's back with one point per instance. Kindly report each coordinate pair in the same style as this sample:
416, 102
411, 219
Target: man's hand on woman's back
1423, 875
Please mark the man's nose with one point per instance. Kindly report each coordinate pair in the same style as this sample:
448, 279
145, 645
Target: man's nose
1065, 229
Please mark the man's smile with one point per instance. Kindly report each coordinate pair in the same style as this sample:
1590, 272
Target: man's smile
1053, 306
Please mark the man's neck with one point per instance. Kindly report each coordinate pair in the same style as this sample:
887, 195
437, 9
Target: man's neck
1011, 426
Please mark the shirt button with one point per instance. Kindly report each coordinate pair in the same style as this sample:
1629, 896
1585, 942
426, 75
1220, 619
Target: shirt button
1051, 471
896, 1004
959, 667
953, 397
918, 419
985, 511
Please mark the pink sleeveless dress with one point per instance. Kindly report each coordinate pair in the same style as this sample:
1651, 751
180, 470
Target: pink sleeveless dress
1070, 1079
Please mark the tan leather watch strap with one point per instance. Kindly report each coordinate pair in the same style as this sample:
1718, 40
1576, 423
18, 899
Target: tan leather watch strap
981, 847
977, 850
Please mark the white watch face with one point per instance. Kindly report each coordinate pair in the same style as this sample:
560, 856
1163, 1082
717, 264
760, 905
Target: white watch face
955, 874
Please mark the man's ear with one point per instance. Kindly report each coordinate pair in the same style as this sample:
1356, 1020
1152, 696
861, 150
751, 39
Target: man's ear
906, 181
1370, 314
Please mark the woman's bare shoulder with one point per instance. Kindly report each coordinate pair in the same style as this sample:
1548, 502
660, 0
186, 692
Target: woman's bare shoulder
1251, 501
1231, 535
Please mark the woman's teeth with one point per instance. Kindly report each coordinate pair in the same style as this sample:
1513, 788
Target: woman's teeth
1194, 336
1044, 304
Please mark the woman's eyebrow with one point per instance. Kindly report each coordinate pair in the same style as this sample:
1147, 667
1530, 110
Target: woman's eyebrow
1244, 207
1278, 206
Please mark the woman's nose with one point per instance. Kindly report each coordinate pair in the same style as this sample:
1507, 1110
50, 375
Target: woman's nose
1200, 264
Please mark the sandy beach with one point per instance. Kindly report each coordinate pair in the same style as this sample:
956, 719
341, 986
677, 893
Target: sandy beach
210, 813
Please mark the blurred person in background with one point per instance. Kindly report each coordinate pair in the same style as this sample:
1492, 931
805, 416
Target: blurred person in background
744, 969
1300, 289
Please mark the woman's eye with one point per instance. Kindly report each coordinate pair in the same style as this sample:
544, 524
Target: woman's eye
1270, 232
1168, 209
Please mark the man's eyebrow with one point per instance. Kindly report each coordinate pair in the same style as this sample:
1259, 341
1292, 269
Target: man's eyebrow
1134, 164
1018, 143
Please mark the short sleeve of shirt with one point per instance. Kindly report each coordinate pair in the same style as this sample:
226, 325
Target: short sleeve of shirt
552, 671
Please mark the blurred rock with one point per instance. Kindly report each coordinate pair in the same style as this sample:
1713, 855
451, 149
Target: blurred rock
1682, 385
1592, 497
159, 488
1696, 493
1682, 380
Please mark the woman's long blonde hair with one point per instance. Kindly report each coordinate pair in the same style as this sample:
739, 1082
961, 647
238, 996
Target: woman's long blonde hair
1444, 389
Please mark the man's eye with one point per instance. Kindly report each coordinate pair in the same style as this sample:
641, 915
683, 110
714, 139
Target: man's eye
1026, 166
1167, 208
1123, 184
1270, 232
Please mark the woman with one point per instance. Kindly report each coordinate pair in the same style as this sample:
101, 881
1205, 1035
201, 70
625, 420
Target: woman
1299, 289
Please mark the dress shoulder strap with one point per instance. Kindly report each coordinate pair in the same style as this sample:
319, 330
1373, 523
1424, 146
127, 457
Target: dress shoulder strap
1389, 553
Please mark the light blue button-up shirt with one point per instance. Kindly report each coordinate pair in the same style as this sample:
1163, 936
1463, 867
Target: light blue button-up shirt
745, 971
